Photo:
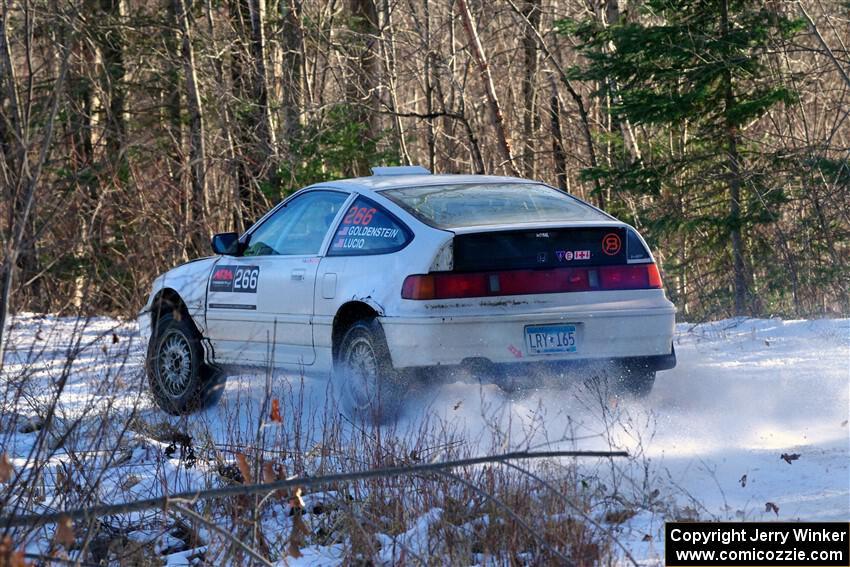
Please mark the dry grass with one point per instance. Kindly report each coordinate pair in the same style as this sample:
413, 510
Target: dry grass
110, 446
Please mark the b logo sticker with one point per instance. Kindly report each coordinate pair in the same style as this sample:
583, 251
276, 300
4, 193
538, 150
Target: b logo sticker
611, 244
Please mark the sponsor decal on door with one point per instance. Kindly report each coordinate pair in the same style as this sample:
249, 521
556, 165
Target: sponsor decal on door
235, 279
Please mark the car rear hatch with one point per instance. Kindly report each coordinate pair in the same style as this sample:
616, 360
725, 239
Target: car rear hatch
540, 260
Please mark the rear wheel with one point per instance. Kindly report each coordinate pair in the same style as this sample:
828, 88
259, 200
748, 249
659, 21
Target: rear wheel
373, 389
180, 381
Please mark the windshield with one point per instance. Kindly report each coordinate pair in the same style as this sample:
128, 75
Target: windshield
454, 206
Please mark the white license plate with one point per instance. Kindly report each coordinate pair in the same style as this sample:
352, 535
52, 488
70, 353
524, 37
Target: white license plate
548, 339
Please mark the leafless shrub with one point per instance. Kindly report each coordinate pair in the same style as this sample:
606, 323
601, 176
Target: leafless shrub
99, 441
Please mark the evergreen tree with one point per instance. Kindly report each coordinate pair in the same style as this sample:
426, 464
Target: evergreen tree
690, 77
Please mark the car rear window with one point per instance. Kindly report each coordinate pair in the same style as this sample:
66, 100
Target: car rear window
454, 206
367, 228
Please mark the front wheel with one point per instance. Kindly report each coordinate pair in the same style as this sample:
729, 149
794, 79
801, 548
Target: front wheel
180, 381
373, 389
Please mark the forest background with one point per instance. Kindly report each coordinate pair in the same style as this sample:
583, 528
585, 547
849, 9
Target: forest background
132, 130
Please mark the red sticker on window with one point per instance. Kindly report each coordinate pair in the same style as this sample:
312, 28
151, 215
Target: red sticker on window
359, 215
611, 244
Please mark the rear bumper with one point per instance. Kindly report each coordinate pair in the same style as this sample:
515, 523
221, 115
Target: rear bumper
657, 362
643, 336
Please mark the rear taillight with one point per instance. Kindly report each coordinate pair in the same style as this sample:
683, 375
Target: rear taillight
521, 282
635, 276
418, 287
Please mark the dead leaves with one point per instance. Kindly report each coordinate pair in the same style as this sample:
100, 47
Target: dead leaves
244, 468
789, 457
686, 514
743, 481
268, 472
297, 538
771, 507
9, 557
275, 416
130, 482
6, 468
64, 534
296, 503
619, 516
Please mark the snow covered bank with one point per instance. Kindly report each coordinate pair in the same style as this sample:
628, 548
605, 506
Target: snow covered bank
706, 443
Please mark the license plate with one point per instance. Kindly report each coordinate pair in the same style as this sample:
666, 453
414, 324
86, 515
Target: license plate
547, 339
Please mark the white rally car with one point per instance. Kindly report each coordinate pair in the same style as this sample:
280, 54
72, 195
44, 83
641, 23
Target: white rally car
372, 279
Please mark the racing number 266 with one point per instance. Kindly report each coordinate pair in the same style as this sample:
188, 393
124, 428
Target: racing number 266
359, 215
245, 279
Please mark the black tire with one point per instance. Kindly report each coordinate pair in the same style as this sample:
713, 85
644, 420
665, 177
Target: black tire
372, 388
636, 380
180, 381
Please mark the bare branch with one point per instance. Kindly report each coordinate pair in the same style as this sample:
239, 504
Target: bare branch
194, 496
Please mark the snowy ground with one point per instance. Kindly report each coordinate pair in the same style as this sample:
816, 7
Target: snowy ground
706, 443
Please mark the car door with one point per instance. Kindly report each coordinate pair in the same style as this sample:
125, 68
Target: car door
260, 304
358, 257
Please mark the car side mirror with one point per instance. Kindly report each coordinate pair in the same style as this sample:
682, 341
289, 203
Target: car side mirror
225, 243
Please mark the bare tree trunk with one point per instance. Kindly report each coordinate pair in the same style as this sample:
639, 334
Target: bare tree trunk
14, 146
362, 82
293, 39
81, 158
266, 136
558, 154
621, 123
25, 253
492, 100
737, 243
474, 146
173, 125
738, 266
236, 205
814, 29
240, 81
197, 151
171, 94
112, 48
588, 137
8, 153
30, 172
587, 134
388, 47
530, 119
431, 135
